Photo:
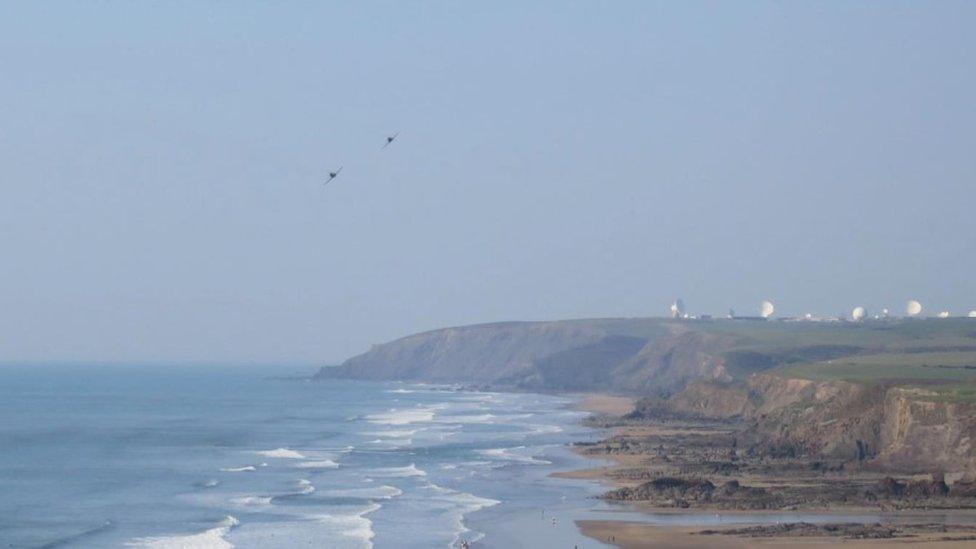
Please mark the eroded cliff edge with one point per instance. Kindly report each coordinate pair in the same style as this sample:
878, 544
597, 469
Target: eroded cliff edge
894, 395
871, 426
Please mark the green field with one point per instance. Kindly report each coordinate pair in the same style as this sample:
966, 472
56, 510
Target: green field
891, 367
898, 334
929, 351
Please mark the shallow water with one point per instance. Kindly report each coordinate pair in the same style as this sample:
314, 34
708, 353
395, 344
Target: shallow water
156, 456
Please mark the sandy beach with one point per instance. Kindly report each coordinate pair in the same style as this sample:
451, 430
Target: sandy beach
598, 403
638, 536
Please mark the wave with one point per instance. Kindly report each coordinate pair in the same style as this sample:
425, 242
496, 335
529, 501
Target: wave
208, 539
466, 464
478, 397
354, 525
318, 464
252, 501
507, 454
244, 469
539, 429
306, 487
462, 503
372, 492
209, 483
403, 416
470, 418
408, 471
395, 433
481, 418
393, 443
283, 453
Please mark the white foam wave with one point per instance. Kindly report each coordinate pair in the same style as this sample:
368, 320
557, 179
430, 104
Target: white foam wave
393, 442
252, 501
511, 454
244, 469
354, 525
372, 492
283, 453
404, 416
481, 418
478, 397
537, 429
461, 504
395, 433
209, 539
318, 464
467, 465
408, 471
305, 486
471, 418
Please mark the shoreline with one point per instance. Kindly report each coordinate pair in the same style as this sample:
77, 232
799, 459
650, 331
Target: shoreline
636, 535
639, 534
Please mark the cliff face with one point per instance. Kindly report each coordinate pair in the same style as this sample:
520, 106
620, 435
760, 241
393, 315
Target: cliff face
634, 356
921, 427
875, 425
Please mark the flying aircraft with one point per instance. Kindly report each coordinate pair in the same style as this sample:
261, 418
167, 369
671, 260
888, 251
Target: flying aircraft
332, 175
390, 140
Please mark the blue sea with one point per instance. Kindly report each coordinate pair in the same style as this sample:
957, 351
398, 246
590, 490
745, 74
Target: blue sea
220, 457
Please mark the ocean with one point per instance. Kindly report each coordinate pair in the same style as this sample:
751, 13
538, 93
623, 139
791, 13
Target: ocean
220, 457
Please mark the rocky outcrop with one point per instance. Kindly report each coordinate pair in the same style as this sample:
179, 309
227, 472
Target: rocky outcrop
679, 492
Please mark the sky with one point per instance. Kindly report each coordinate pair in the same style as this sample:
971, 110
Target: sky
161, 168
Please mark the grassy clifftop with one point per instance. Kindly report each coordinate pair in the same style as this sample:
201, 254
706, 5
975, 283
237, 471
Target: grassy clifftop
648, 356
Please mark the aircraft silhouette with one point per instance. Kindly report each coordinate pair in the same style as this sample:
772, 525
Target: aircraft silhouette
332, 175
390, 140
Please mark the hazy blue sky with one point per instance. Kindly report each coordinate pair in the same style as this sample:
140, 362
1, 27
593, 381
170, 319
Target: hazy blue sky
161, 168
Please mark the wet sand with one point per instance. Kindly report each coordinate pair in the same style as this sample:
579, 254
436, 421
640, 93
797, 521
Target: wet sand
604, 404
639, 536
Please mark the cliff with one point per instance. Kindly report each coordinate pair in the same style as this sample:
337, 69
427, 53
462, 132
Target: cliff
630, 356
877, 425
894, 394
